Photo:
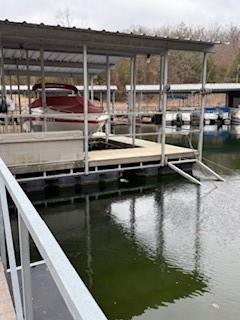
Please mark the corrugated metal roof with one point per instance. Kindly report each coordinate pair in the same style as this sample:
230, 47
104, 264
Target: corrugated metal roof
189, 87
55, 63
56, 38
63, 48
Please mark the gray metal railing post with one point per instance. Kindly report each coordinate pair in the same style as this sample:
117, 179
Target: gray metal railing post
19, 97
161, 83
85, 83
92, 89
78, 299
164, 108
10, 86
43, 92
3, 252
26, 269
202, 104
2, 72
108, 129
11, 252
28, 88
134, 100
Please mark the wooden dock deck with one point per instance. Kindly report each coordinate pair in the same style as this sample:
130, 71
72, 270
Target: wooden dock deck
6, 305
144, 151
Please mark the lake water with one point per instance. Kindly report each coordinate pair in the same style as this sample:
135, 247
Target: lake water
159, 248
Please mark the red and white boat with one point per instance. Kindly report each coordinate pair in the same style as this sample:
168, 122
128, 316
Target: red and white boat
66, 107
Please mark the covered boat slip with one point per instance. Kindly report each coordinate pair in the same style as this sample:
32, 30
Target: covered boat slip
53, 51
42, 50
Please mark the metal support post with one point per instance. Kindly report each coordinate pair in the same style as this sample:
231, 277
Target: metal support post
202, 105
2, 241
184, 174
28, 89
11, 253
164, 107
140, 106
26, 269
133, 99
108, 128
129, 109
92, 90
19, 97
10, 84
2, 73
113, 102
101, 98
161, 83
43, 93
85, 90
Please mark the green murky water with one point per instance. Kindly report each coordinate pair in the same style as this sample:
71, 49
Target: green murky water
159, 248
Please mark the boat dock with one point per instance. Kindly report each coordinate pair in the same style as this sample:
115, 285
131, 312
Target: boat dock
41, 156
42, 51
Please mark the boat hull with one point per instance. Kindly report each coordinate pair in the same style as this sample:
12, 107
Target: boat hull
55, 121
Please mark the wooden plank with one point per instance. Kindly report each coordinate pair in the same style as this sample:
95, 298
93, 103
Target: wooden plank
145, 151
6, 305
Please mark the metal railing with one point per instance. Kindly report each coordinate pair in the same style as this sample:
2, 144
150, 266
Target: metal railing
78, 299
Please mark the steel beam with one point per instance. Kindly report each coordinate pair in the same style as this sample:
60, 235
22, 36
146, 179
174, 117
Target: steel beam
35, 73
10, 84
85, 83
19, 98
202, 104
209, 170
164, 107
2, 73
28, 88
55, 63
108, 127
161, 83
3, 252
184, 174
133, 98
43, 91
92, 89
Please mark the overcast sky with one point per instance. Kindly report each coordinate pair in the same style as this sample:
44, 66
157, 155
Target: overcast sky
120, 15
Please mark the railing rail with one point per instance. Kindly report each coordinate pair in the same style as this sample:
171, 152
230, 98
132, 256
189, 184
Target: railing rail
78, 299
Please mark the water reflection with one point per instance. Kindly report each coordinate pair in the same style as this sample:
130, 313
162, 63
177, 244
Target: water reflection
131, 250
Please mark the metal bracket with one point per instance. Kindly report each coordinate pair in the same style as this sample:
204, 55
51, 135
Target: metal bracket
173, 166
204, 166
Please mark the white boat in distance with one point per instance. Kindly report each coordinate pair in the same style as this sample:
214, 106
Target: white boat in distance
66, 107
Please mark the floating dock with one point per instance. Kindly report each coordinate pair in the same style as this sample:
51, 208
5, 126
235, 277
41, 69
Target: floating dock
38, 161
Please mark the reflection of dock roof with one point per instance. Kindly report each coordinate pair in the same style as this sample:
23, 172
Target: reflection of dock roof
63, 47
187, 88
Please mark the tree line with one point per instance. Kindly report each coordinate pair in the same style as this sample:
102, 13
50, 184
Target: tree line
184, 67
